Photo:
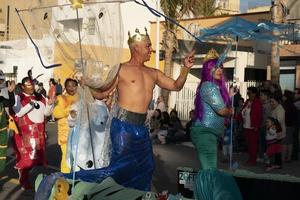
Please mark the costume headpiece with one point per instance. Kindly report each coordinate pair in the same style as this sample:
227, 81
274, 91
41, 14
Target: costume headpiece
212, 54
138, 37
76, 3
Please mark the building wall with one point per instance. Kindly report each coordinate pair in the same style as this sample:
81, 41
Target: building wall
228, 6
15, 30
26, 61
294, 7
259, 9
24, 58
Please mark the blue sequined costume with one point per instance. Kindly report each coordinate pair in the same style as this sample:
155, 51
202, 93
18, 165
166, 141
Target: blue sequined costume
212, 102
132, 162
205, 133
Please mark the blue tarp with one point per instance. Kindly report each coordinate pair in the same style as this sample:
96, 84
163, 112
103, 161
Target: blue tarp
243, 29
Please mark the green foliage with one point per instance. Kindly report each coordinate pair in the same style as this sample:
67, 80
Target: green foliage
176, 9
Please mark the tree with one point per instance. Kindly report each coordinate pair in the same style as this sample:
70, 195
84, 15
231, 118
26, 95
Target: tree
177, 9
277, 18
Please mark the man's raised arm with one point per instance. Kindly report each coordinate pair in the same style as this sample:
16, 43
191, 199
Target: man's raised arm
175, 85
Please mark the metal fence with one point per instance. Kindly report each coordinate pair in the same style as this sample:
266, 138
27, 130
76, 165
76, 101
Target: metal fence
184, 101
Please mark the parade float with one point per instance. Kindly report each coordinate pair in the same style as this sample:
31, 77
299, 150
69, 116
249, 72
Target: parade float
85, 38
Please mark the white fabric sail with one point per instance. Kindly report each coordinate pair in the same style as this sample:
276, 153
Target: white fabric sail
88, 40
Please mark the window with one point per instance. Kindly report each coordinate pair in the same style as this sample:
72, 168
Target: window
255, 74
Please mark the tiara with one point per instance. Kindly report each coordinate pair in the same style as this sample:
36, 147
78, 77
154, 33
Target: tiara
212, 54
138, 37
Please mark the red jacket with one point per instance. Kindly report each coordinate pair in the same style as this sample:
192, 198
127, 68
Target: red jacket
255, 113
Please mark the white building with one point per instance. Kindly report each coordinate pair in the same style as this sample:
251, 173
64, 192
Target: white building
228, 6
20, 55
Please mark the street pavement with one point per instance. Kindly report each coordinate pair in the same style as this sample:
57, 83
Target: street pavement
167, 159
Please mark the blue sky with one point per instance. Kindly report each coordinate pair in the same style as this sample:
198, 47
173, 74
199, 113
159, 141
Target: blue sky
253, 3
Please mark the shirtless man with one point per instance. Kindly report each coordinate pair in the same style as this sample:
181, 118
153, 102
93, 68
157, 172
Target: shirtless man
132, 163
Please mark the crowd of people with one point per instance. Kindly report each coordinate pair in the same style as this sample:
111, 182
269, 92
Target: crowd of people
266, 109
167, 127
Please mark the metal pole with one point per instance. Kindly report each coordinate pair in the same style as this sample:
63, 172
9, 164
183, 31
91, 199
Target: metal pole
157, 89
232, 103
87, 105
79, 37
81, 103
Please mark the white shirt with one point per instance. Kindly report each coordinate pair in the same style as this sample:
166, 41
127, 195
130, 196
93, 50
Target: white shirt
271, 134
246, 116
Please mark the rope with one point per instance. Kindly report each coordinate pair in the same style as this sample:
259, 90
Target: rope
35, 46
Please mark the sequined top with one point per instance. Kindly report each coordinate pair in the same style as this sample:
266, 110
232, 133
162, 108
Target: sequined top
212, 102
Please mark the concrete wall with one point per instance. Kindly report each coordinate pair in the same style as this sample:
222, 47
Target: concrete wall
24, 58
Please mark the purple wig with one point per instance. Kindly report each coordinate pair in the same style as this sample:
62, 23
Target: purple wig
207, 75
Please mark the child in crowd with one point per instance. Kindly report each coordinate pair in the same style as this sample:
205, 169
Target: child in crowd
274, 147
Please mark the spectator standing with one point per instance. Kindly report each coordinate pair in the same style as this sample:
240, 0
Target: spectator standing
41, 90
295, 155
52, 94
5, 103
52, 89
58, 88
290, 122
266, 112
252, 118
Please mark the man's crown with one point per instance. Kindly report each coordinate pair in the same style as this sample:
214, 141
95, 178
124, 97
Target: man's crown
212, 54
138, 37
